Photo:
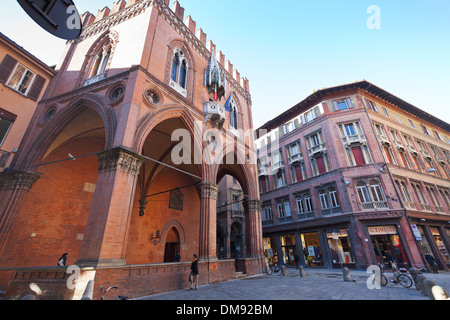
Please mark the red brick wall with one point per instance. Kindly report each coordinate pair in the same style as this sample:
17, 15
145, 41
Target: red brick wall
55, 209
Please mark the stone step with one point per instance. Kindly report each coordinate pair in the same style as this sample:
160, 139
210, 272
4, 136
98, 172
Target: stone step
240, 274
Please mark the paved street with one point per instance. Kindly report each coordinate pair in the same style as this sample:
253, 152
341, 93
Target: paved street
317, 285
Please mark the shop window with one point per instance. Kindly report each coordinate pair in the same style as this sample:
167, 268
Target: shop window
387, 246
289, 249
311, 249
440, 244
340, 248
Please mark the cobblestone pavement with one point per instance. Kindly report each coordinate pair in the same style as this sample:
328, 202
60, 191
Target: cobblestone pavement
317, 285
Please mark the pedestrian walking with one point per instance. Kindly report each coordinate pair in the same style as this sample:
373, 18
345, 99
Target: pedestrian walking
194, 273
178, 257
432, 261
62, 260
297, 261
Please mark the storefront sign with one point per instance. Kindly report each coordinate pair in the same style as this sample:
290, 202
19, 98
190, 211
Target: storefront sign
416, 232
382, 230
341, 233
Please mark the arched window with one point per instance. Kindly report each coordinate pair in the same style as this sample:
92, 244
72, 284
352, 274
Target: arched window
376, 191
363, 193
179, 70
99, 58
100, 61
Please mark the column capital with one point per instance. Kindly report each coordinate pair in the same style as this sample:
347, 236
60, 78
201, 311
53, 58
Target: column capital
209, 190
119, 159
253, 205
18, 180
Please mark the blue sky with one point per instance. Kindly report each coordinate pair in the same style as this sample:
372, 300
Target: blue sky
288, 48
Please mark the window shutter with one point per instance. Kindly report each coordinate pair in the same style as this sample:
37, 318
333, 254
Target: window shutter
36, 88
6, 68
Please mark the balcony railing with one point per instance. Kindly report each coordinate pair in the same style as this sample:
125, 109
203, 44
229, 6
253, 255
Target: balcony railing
263, 171
320, 148
4, 157
374, 205
384, 139
409, 205
425, 154
399, 145
95, 79
277, 166
296, 158
412, 149
354, 139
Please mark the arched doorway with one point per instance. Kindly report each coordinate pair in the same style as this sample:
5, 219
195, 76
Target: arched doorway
166, 191
172, 245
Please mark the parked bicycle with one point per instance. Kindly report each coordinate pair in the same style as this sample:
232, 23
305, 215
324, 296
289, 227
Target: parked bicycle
276, 269
399, 276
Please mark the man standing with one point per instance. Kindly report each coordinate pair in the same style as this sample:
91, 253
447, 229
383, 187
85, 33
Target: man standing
194, 273
430, 259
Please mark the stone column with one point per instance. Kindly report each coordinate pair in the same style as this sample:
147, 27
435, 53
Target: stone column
208, 222
254, 234
13, 187
105, 237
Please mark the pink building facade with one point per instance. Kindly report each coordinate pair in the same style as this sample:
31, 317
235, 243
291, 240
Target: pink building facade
354, 176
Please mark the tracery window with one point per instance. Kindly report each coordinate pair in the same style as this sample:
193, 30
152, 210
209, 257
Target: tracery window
178, 73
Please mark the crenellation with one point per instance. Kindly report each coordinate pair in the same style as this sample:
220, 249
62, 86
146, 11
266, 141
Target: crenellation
131, 2
229, 67
191, 24
117, 6
237, 76
211, 46
87, 19
220, 57
201, 36
103, 13
178, 10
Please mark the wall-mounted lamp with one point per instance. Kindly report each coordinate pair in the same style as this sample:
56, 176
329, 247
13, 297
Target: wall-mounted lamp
157, 238
423, 220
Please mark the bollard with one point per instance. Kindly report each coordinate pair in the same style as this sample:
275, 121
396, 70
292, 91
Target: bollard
439, 293
420, 278
414, 272
89, 291
427, 288
283, 270
346, 275
302, 272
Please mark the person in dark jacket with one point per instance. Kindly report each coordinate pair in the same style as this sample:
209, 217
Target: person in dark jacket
430, 259
194, 273
62, 260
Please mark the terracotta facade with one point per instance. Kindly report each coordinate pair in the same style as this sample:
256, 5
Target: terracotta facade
108, 179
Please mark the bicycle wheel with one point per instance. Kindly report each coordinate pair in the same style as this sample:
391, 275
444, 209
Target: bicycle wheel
405, 281
383, 280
